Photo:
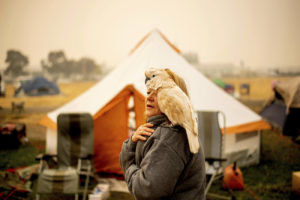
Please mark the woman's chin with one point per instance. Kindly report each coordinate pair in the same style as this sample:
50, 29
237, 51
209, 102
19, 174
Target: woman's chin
149, 113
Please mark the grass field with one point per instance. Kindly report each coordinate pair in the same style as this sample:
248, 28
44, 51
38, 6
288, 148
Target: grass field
271, 179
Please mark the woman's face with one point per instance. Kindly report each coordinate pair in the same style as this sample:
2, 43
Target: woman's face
152, 108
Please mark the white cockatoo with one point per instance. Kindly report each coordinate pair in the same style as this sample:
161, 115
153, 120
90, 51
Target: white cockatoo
174, 103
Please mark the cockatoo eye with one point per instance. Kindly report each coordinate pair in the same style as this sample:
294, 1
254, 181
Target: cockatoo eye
153, 76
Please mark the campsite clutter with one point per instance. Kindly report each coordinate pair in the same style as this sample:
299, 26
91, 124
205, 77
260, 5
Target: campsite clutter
100, 192
12, 135
74, 157
225, 86
296, 183
233, 177
2, 86
17, 106
17, 180
283, 109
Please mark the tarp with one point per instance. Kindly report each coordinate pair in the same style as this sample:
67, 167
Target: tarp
290, 92
38, 86
283, 109
220, 83
108, 100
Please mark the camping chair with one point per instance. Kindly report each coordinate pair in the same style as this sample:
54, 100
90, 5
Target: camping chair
211, 140
75, 139
17, 106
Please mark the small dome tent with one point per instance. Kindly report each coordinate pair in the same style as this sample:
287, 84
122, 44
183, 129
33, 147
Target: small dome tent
38, 86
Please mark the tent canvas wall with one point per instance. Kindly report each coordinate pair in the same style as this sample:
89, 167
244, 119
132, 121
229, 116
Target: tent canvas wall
108, 100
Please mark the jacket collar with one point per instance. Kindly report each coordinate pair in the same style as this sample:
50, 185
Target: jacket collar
157, 120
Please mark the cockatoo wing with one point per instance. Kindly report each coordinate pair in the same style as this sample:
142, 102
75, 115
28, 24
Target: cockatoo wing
175, 104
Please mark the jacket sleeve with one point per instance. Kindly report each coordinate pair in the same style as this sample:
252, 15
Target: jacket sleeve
127, 155
158, 174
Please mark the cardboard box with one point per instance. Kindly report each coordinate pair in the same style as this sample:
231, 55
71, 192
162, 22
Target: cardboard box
296, 183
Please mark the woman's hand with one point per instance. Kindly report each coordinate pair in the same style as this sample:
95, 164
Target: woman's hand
143, 130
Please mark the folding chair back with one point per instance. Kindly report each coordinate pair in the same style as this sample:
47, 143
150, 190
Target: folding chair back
75, 138
75, 146
210, 134
211, 139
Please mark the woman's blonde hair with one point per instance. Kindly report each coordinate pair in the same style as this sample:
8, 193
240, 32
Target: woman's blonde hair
178, 80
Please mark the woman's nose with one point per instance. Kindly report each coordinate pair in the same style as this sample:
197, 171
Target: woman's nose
150, 97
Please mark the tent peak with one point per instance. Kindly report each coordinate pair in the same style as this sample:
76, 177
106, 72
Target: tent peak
155, 31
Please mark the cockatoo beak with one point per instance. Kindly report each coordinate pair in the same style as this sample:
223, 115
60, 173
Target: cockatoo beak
147, 79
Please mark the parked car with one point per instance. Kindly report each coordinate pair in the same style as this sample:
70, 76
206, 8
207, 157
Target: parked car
12, 135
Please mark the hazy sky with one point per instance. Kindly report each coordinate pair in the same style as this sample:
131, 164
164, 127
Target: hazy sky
259, 32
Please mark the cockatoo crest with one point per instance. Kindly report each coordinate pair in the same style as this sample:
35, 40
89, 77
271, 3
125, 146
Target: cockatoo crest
174, 103
158, 78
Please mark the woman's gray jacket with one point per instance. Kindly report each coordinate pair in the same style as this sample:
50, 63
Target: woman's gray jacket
162, 167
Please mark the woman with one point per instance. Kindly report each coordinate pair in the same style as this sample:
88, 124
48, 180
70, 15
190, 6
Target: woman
156, 160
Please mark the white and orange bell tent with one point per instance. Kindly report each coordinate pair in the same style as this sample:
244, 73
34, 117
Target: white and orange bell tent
108, 101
